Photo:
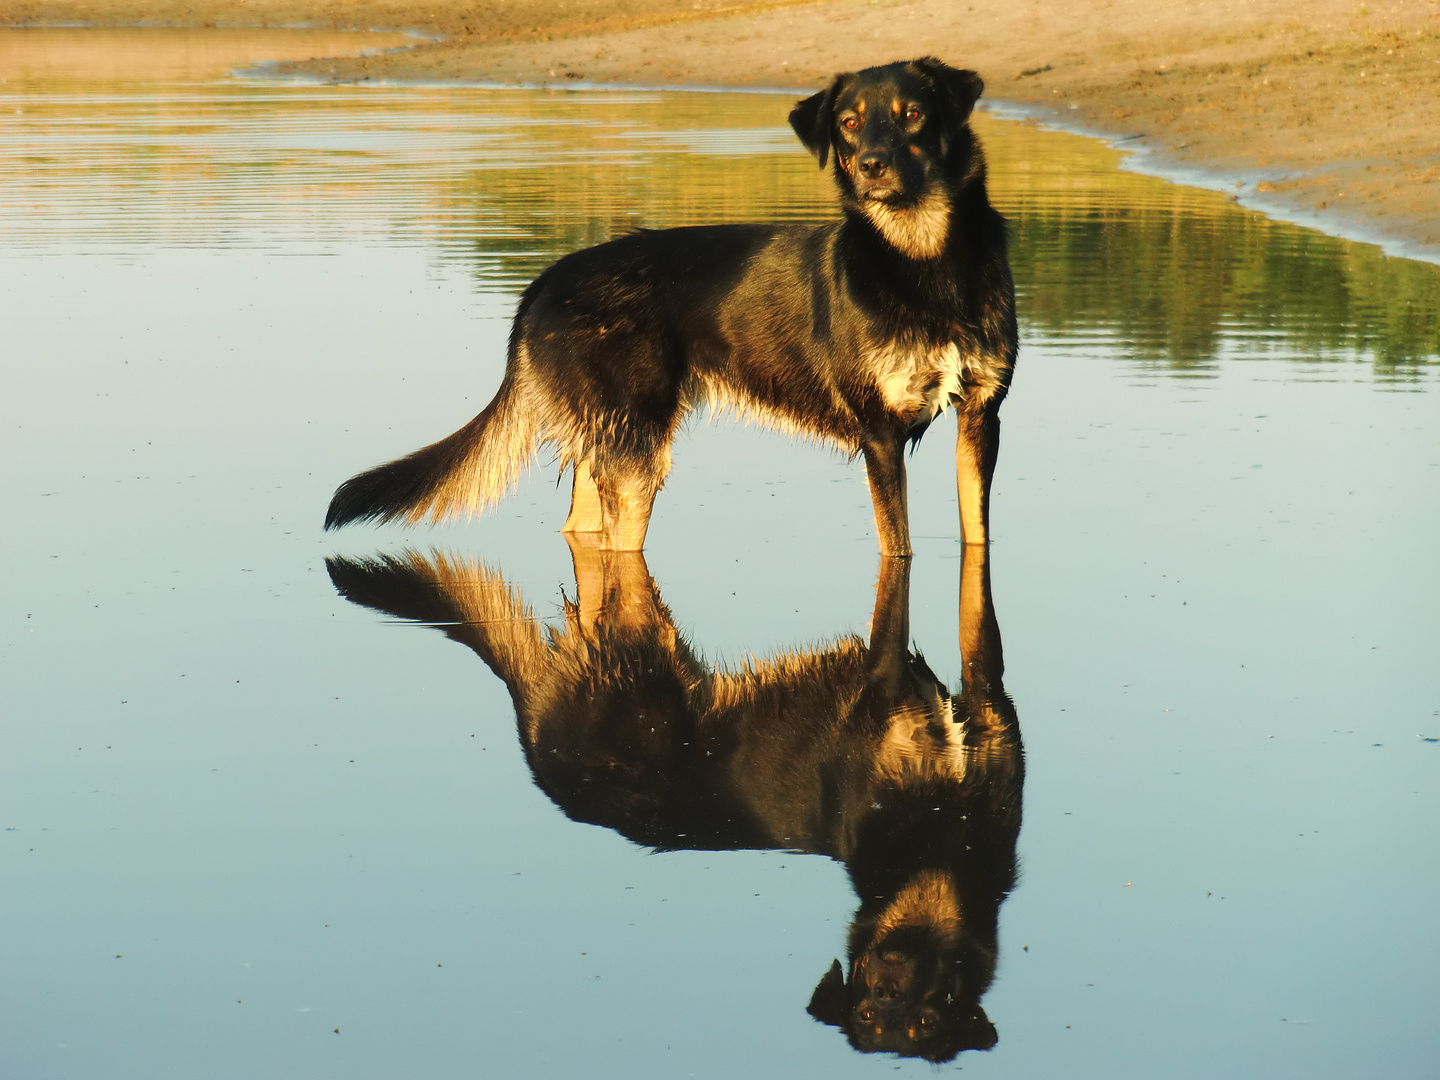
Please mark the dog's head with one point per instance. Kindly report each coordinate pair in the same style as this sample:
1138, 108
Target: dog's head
901, 138
890, 125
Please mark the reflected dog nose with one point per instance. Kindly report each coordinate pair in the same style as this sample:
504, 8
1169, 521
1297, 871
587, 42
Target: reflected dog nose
873, 163
887, 991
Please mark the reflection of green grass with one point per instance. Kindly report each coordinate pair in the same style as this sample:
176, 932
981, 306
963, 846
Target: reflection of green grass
512, 179
619, 163
559, 210
1168, 274
1172, 273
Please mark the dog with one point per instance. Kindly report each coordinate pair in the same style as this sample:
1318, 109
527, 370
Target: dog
854, 751
857, 333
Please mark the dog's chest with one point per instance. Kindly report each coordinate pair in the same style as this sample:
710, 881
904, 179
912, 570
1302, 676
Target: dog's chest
918, 382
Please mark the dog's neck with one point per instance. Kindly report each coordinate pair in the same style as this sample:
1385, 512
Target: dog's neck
918, 232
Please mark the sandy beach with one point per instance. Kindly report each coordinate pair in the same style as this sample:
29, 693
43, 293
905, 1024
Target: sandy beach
1327, 112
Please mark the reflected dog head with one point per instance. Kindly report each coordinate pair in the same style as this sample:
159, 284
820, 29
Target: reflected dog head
912, 989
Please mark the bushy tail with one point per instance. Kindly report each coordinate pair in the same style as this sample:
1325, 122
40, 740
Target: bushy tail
461, 474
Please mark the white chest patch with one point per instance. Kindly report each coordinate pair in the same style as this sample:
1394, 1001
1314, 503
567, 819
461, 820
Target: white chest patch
918, 382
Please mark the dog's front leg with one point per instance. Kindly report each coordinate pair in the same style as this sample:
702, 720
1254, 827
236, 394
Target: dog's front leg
885, 468
977, 445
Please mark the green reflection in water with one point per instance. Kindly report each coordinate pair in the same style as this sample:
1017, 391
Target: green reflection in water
604, 163
1179, 273
1175, 278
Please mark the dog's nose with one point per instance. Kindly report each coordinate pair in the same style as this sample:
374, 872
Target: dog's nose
873, 163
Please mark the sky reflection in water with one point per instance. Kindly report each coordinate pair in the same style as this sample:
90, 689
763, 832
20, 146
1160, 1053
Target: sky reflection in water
242, 812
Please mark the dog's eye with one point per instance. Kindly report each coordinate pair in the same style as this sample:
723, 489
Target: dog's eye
850, 123
912, 112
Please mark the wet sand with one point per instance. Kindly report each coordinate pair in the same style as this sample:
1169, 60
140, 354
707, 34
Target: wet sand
1327, 112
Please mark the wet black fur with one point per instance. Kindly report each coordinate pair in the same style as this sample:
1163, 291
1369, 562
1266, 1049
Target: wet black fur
784, 320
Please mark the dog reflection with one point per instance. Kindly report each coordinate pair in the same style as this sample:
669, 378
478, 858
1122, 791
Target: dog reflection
853, 751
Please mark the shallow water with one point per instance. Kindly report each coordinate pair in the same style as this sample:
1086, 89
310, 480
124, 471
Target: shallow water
252, 828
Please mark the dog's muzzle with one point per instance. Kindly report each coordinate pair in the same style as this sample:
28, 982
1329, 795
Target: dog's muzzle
876, 177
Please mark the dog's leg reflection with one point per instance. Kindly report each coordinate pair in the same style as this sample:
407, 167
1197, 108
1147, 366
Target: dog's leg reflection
934, 858
615, 593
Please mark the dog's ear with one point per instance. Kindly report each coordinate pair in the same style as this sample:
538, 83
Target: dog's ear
976, 1032
957, 89
830, 1004
813, 120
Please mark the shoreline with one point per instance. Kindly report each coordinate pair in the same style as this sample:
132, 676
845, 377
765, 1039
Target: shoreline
1243, 190
1321, 114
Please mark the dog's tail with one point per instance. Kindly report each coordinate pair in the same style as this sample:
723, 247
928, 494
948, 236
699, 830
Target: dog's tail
461, 474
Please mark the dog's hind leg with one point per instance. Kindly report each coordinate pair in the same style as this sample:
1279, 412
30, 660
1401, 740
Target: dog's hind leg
977, 445
585, 512
885, 469
627, 495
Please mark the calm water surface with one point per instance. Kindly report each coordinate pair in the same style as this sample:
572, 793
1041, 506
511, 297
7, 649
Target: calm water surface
255, 828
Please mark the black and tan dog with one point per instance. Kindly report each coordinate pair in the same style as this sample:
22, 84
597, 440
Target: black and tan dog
855, 751
857, 333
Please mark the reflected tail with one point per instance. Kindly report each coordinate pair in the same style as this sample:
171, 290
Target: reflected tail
466, 599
